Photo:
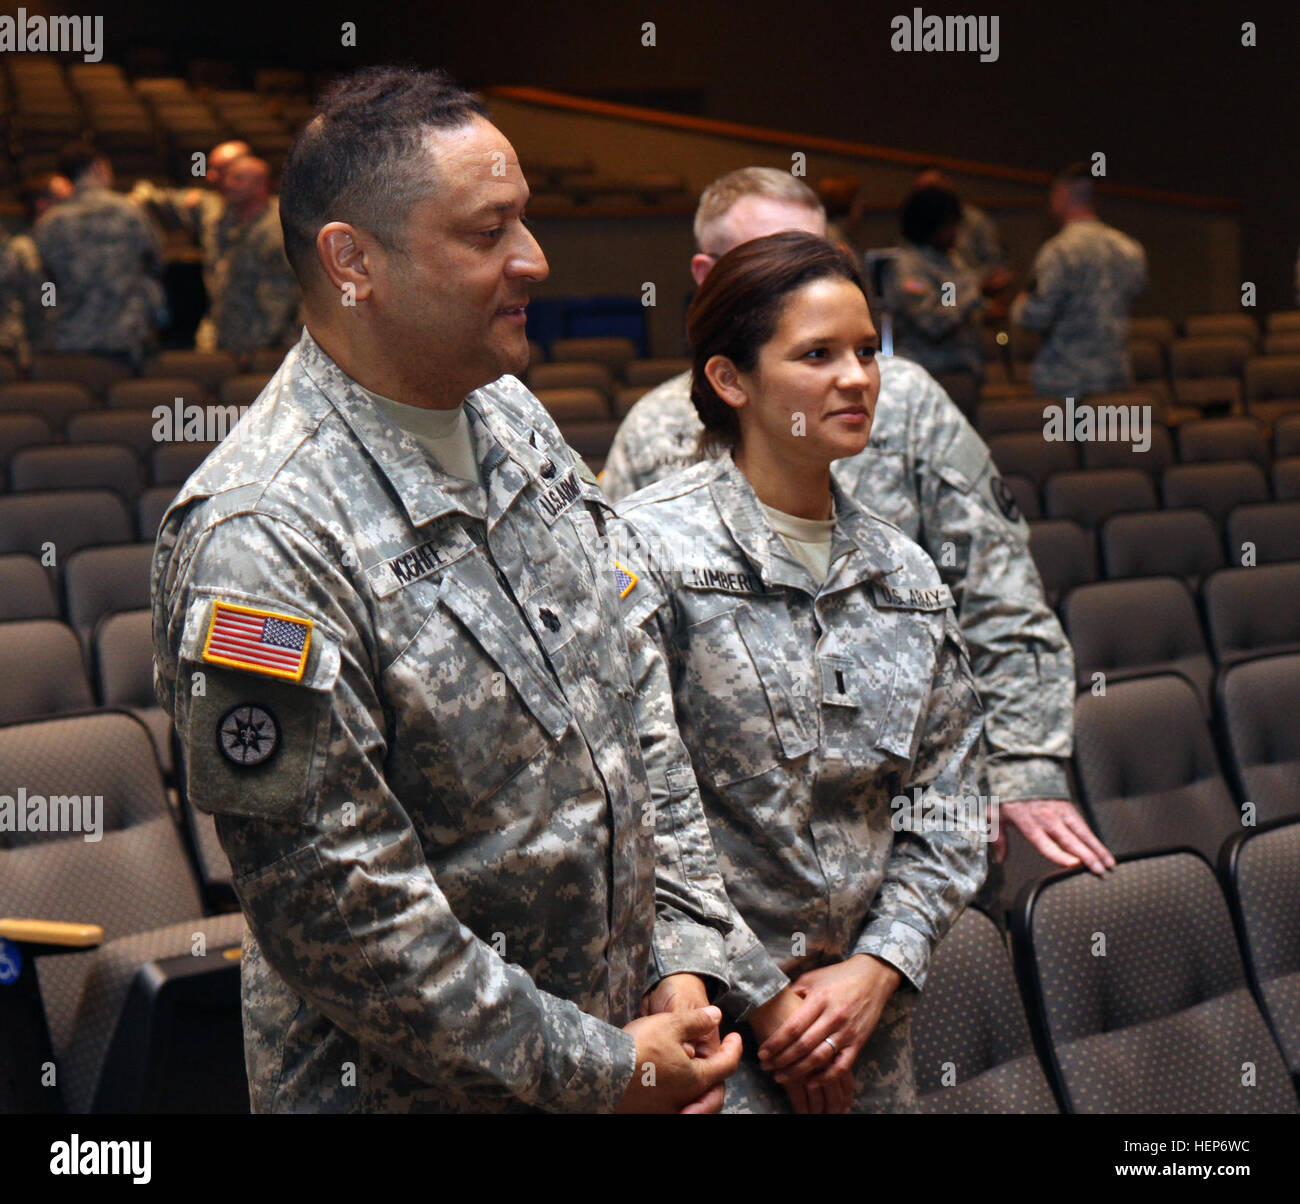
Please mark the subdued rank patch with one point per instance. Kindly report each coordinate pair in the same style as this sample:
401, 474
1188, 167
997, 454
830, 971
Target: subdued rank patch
1005, 499
729, 580
556, 498
247, 735
938, 598
259, 641
625, 579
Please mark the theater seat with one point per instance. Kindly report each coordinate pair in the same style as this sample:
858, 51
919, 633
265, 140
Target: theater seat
1092, 495
1164, 1022
1064, 554
1147, 770
42, 669
971, 1048
1219, 439
99, 581
1027, 453
1216, 488
1125, 629
1262, 872
1259, 703
1252, 611
1161, 543
131, 1028
26, 591
1270, 530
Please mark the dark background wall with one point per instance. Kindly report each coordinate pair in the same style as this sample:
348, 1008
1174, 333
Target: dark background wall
1166, 90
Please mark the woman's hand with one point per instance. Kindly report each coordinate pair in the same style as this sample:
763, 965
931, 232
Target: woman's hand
842, 1002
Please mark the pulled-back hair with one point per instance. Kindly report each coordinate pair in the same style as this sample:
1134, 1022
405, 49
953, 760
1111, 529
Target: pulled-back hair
737, 309
361, 159
926, 211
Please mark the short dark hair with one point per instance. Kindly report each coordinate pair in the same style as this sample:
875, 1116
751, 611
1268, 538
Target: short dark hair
737, 309
1078, 178
77, 158
926, 211
358, 160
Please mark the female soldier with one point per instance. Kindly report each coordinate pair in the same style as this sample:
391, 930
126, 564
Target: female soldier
820, 685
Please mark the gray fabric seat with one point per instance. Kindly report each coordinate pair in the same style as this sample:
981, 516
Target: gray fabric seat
1218, 439
209, 368
98, 581
146, 393
1111, 453
175, 463
1165, 1021
151, 507
95, 373
1262, 871
1064, 555
42, 669
134, 881
1252, 611
77, 466
969, 1027
1029, 454
1272, 529
134, 428
572, 375
1286, 436
62, 521
1259, 702
1286, 480
1137, 628
123, 647
55, 401
25, 589
1026, 494
22, 430
1161, 543
1092, 495
1148, 774
1215, 488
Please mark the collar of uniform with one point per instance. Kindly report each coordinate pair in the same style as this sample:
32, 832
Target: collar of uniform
426, 493
737, 503
506, 449
860, 551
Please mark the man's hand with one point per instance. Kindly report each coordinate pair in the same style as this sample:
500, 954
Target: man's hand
842, 1002
1056, 829
682, 993
667, 1077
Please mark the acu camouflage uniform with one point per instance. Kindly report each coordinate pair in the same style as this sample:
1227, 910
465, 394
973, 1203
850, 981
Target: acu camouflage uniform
806, 710
940, 337
105, 259
1084, 282
978, 244
23, 319
447, 863
254, 294
929, 473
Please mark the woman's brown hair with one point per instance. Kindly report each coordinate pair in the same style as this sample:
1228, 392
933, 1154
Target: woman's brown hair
739, 305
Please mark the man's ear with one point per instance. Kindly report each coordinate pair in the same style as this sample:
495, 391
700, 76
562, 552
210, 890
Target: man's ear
348, 259
722, 375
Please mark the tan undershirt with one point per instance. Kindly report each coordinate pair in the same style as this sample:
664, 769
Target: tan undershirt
809, 539
444, 434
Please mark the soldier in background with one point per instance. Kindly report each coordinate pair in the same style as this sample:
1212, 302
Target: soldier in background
415, 724
928, 471
24, 320
977, 243
936, 303
253, 293
105, 260
1080, 295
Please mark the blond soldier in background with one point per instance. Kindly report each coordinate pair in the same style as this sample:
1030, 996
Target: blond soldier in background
926, 470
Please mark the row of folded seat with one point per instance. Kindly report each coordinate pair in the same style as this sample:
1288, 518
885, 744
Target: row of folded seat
1161, 988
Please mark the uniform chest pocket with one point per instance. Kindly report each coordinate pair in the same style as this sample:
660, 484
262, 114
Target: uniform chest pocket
903, 644
478, 706
743, 713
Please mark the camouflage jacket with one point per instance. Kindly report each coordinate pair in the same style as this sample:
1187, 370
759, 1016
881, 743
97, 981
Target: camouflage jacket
105, 259
253, 291
929, 473
978, 245
441, 834
24, 321
808, 711
937, 308
1084, 281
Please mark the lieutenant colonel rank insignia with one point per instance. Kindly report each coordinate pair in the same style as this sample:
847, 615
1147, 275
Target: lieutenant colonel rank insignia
257, 640
625, 579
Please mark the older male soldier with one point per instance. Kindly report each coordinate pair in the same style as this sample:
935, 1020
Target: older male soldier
105, 260
401, 683
926, 470
1080, 295
253, 292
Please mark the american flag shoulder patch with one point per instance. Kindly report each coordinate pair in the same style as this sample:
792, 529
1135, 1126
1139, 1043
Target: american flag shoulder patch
625, 578
260, 641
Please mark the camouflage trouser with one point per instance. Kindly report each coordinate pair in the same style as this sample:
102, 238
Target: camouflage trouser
883, 1070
